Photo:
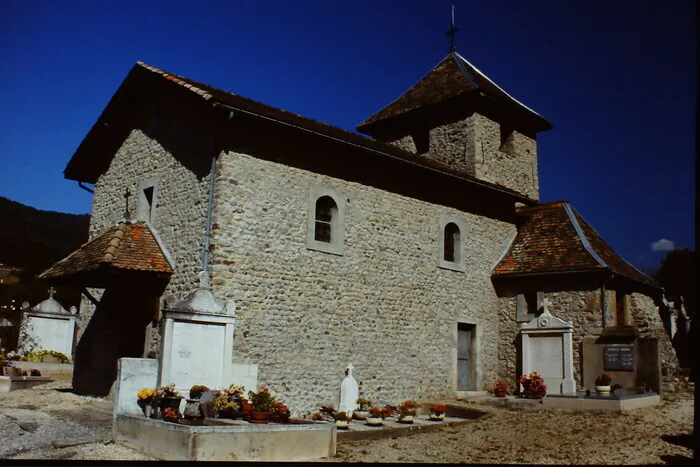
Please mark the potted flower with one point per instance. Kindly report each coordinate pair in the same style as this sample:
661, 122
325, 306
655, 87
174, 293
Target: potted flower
602, 383
362, 411
229, 402
35, 372
437, 412
146, 399
533, 386
342, 420
172, 416
500, 389
193, 410
377, 415
169, 397
407, 411
7, 360
262, 402
280, 413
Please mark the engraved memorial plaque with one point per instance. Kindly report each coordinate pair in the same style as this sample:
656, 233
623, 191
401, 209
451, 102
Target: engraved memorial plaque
197, 354
618, 358
547, 356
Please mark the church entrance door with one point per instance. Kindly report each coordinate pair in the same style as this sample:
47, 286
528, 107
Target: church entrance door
465, 357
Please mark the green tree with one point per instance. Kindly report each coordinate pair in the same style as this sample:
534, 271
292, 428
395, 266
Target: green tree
678, 276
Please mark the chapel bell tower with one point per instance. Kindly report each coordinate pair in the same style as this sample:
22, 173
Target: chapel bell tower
459, 117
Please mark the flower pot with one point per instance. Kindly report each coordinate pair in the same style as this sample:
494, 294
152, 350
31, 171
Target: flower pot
374, 421
259, 417
406, 419
360, 414
499, 393
172, 402
602, 389
437, 417
8, 371
146, 407
342, 424
538, 395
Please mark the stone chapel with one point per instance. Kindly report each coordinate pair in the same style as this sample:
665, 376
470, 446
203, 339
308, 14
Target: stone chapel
416, 250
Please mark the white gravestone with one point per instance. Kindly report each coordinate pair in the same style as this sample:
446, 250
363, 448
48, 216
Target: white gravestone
349, 393
547, 348
47, 326
197, 344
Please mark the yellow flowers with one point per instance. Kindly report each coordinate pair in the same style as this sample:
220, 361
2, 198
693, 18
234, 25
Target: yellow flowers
146, 394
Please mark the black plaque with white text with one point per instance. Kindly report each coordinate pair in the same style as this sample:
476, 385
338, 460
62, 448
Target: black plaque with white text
618, 358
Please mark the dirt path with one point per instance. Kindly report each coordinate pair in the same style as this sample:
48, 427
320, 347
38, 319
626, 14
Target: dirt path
644, 436
48, 424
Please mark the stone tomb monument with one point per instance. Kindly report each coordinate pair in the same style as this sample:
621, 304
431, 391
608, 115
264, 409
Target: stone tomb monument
547, 348
48, 326
197, 343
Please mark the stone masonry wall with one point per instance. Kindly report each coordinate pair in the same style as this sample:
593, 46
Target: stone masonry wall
473, 146
180, 212
384, 305
647, 320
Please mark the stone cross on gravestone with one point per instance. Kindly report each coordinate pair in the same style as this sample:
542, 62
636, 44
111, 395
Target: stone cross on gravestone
51, 292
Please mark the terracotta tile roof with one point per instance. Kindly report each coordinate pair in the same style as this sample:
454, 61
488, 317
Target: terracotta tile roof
452, 77
126, 246
554, 239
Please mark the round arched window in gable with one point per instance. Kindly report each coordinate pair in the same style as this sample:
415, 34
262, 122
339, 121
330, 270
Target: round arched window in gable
452, 245
326, 210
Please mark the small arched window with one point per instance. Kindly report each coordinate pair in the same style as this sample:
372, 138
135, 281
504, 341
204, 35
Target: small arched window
451, 252
326, 210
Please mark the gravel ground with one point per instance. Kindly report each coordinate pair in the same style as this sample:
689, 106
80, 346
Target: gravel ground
44, 423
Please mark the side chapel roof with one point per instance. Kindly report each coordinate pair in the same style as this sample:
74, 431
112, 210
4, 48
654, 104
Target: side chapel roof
555, 238
453, 77
86, 165
126, 246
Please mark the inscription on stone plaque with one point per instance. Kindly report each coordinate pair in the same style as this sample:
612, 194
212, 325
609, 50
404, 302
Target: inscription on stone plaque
197, 354
618, 358
547, 356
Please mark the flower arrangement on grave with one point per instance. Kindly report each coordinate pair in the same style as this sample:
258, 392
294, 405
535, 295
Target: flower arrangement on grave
500, 389
437, 412
362, 405
376, 412
146, 399
172, 416
342, 420
39, 356
167, 396
604, 379
407, 410
35, 372
533, 386
262, 401
229, 403
317, 417
7, 360
280, 413
197, 390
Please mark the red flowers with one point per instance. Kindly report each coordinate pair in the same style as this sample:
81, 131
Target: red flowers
533, 385
438, 409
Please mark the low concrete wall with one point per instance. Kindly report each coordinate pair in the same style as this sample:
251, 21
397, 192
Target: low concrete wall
56, 371
235, 442
611, 405
12, 383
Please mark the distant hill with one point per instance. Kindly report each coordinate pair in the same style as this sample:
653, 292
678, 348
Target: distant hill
33, 239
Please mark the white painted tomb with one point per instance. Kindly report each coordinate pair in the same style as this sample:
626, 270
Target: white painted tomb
197, 343
547, 348
349, 392
48, 326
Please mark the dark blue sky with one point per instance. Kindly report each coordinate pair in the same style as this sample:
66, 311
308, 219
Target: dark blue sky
617, 79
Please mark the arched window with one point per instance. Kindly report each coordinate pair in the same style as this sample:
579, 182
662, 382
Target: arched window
326, 210
451, 252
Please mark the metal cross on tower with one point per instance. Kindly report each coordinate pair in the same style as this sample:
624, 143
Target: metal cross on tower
453, 30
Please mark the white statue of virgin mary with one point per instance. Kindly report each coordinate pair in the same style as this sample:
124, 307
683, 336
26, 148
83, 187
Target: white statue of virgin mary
348, 393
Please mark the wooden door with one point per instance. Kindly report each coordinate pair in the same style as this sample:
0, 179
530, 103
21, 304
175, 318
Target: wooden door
465, 363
